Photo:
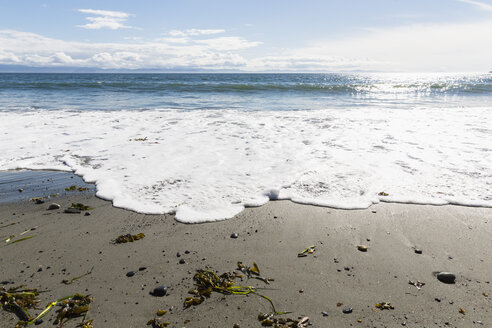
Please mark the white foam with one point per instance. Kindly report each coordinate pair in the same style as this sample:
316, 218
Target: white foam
207, 165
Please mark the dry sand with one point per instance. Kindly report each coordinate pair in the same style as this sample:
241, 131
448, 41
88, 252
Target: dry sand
452, 238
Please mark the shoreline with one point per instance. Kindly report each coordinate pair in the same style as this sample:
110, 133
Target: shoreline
452, 238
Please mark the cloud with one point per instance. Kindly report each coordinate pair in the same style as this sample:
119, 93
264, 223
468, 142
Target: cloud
104, 19
228, 43
36, 50
481, 5
194, 32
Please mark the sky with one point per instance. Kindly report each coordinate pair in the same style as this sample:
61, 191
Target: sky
249, 36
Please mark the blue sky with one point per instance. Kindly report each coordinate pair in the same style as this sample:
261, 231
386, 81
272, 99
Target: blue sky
284, 36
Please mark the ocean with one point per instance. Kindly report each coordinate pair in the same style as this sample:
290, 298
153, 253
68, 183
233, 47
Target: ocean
204, 146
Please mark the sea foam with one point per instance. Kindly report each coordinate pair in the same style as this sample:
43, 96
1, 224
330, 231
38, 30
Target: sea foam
207, 165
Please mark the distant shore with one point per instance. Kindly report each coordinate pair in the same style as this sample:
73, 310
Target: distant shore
63, 246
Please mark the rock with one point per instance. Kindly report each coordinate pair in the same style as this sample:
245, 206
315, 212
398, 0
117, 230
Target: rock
362, 248
54, 206
72, 210
234, 235
418, 251
130, 273
446, 277
21, 190
182, 261
347, 310
178, 254
39, 201
159, 291
142, 268
87, 213
437, 299
187, 252
324, 313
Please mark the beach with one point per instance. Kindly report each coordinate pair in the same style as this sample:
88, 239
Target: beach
406, 246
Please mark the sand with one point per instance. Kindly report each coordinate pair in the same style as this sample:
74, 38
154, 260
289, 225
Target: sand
452, 238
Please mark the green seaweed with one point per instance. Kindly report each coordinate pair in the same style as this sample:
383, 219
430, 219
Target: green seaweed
128, 238
207, 281
18, 240
81, 207
69, 282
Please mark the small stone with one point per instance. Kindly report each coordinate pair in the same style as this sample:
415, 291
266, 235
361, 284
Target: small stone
347, 310
446, 277
437, 299
187, 252
234, 235
418, 251
346, 268
324, 313
236, 325
72, 211
159, 291
182, 261
54, 206
178, 254
87, 213
39, 201
21, 190
142, 268
130, 273
362, 248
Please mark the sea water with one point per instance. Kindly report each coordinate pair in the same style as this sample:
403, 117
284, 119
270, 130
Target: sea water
204, 146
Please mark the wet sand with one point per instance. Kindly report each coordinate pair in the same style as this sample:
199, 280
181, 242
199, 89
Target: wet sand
63, 246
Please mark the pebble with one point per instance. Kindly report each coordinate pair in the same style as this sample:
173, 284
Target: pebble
324, 313
87, 213
182, 261
39, 201
178, 254
21, 190
142, 268
347, 310
418, 251
159, 291
72, 211
130, 273
187, 252
234, 235
437, 299
446, 277
362, 248
54, 206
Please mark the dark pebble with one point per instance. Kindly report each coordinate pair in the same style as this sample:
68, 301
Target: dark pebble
446, 277
347, 310
187, 252
182, 261
72, 211
437, 299
234, 235
130, 273
159, 291
346, 268
142, 268
324, 313
87, 213
39, 201
418, 251
178, 254
21, 190
4, 282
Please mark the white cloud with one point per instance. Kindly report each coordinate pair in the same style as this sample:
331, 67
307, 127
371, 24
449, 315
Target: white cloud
195, 32
481, 5
36, 50
228, 43
104, 19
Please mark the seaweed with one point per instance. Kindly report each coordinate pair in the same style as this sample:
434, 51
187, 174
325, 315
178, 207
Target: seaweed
382, 193
384, 306
8, 225
18, 301
268, 320
81, 207
306, 251
68, 282
75, 188
19, 240
128, 238
208, 281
